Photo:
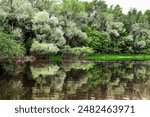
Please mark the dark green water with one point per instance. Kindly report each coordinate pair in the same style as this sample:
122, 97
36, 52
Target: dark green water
77, 81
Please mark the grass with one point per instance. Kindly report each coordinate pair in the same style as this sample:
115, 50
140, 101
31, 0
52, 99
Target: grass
109, 57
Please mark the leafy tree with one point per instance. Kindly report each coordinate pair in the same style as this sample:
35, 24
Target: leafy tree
43, 48
73, 6
132, 17
73, 34
75, 24
147, 17
28, 18
141, 38
99, 5
116, 33
81, 51
9, 47
118, 15
48, 29
99, 21
127, 46
99, 41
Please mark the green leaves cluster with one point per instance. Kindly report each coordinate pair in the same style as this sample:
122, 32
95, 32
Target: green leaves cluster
82, 50
99, 41
74, 23
43, 48
9, 48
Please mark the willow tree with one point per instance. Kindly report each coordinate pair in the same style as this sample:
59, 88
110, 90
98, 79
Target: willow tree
71, 14
141, 38
28, 20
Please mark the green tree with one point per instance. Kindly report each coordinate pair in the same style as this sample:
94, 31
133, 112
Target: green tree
147, 16
141, 38
116, 32
73, 34
99, 41
118, 15
29, 19
9, 47
130, 19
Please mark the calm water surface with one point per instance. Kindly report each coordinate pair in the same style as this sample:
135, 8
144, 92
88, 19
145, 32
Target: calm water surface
77, 80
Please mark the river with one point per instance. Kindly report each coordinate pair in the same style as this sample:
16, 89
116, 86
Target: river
79, 80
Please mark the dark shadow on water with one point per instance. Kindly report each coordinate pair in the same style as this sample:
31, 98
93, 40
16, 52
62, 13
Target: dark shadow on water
78, 80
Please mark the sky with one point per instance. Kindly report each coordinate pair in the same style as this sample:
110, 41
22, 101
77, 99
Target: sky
140, 5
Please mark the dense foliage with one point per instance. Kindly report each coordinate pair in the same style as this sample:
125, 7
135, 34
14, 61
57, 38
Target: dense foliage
43, 48
50, 26
9, 48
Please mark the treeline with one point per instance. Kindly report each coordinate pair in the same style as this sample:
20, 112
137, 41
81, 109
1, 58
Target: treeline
71, 26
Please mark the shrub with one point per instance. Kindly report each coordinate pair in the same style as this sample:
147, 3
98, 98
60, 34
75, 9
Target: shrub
43, 48
9, 48
80, 51
99, 41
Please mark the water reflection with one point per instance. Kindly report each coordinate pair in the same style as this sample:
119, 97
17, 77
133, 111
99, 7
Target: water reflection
78, 80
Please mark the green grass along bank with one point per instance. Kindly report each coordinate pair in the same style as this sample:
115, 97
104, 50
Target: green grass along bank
106, 57
98, 57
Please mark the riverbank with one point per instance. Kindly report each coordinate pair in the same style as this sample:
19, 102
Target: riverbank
106, 57
109, 57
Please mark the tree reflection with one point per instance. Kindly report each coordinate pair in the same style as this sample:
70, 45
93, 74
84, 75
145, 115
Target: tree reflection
80, 80
11, 89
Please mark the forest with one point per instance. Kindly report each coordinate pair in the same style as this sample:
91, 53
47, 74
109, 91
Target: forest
70, 49
70, 28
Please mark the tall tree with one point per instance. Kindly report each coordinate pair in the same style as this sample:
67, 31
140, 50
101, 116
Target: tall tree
30, 19
147, 16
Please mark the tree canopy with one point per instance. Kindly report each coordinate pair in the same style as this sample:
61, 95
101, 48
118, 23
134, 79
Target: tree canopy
74, 24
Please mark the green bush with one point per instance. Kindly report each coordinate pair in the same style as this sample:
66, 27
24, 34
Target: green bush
99, 41
81, 51
44, 47
9, 48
